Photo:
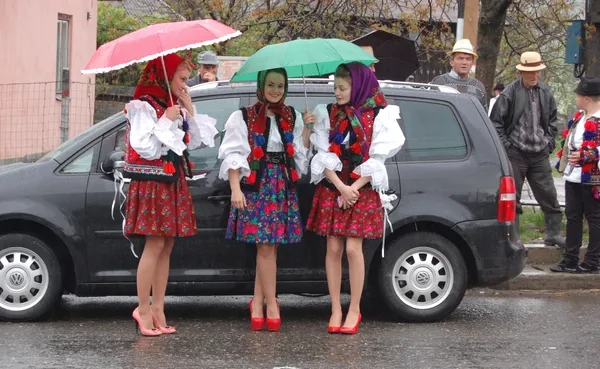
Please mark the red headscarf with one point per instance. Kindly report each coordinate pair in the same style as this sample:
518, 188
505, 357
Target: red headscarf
152, 82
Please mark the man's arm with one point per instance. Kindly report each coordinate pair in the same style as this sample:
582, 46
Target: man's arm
484, 97
552, 124
499, 116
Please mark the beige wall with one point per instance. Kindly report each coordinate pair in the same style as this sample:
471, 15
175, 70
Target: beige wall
30, 114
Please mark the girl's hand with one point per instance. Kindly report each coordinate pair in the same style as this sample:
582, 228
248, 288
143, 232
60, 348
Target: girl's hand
349, 195
238, 200
309, 119
186, 100
173, 112
575, 157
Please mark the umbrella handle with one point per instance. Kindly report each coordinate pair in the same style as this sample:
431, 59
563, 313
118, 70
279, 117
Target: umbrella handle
304, 82
167, 79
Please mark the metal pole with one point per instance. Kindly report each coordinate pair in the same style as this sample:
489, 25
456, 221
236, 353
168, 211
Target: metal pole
304, 82
460, 22
167, 79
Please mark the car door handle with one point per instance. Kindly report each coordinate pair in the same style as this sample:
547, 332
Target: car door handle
390, 192
218, 197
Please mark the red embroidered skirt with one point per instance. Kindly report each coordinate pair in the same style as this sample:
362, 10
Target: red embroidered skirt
160, 209
363, 220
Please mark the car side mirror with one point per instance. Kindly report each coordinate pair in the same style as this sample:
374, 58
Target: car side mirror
114, 161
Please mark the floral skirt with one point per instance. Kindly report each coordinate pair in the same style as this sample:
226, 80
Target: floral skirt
271, 215
363, 220
160, 209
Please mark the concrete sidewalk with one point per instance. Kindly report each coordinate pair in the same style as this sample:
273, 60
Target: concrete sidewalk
537, 274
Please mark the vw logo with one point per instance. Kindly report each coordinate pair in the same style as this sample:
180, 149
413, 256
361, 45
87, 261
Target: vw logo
422, 278
16, 279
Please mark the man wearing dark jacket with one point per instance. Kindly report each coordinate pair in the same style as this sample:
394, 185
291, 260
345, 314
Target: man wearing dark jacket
525, 117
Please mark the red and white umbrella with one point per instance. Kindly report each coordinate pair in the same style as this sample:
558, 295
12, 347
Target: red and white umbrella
157, 40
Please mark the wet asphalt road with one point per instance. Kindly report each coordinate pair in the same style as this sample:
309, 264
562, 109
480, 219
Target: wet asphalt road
488, 330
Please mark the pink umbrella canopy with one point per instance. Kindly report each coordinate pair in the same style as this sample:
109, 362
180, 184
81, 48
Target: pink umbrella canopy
157, 40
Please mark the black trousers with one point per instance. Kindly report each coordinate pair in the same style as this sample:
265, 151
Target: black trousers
535, 167
580, 201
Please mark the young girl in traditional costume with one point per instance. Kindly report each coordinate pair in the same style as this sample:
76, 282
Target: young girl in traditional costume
264, 152
162, 126
353, 137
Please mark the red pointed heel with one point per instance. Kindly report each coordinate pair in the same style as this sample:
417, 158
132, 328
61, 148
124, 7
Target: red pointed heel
353, 330
257, 324
274, 325
145, 332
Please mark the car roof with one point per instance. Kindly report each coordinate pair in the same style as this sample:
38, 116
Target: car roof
324, 85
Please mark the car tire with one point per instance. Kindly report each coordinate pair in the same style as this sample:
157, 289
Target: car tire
423, 277
30, 278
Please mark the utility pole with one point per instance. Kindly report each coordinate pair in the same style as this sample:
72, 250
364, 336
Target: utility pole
592, 42
468, 20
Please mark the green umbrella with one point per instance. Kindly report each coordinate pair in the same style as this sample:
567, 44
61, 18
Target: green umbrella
302, 58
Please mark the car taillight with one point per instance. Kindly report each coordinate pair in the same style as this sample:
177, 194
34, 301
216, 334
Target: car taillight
507, 201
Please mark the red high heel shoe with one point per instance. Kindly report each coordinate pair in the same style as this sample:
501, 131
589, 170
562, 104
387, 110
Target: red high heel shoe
257, 324
331, 329
164, 330
274, 324
145, 332
353, 330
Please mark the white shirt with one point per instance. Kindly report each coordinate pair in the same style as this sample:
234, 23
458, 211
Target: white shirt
576, 139
386, 141
492, 102
152, 137
235, 148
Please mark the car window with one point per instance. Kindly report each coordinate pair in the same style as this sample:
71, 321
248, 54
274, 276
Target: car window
299, 103
120, 140
220, 109
81, 164
432, 132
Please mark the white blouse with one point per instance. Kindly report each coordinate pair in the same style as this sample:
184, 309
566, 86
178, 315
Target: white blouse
235, 149
576, 139
152, 137
386, 141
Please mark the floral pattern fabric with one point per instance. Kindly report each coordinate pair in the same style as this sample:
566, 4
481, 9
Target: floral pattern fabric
363, 220
160, 209
272, 214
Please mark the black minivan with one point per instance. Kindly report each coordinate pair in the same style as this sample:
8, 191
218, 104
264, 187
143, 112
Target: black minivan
452, 224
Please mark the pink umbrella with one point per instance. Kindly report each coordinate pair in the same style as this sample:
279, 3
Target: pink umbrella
157, 40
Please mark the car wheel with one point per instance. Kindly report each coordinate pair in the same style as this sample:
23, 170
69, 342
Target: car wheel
423, 277
30, 278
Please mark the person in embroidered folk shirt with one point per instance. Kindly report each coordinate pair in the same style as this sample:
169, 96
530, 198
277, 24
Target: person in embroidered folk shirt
160, 131
579, 164
353, 138
264, 152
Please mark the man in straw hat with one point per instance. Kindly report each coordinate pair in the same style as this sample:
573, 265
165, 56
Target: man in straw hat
525, 117
462, 58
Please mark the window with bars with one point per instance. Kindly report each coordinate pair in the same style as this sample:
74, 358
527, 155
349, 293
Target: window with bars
63, 48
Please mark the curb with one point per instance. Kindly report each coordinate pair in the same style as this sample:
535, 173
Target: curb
542, 254
539, 277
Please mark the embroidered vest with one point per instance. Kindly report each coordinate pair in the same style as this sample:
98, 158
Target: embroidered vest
141, 169
590, 149
350, 160
257, 162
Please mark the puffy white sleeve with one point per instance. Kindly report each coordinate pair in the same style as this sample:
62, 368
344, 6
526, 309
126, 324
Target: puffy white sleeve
202, 130
301, 152
234, 149
148, 133
319, 138
387, 140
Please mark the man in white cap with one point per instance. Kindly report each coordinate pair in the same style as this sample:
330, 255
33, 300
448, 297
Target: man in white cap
208, 67
462, 58
525, 118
